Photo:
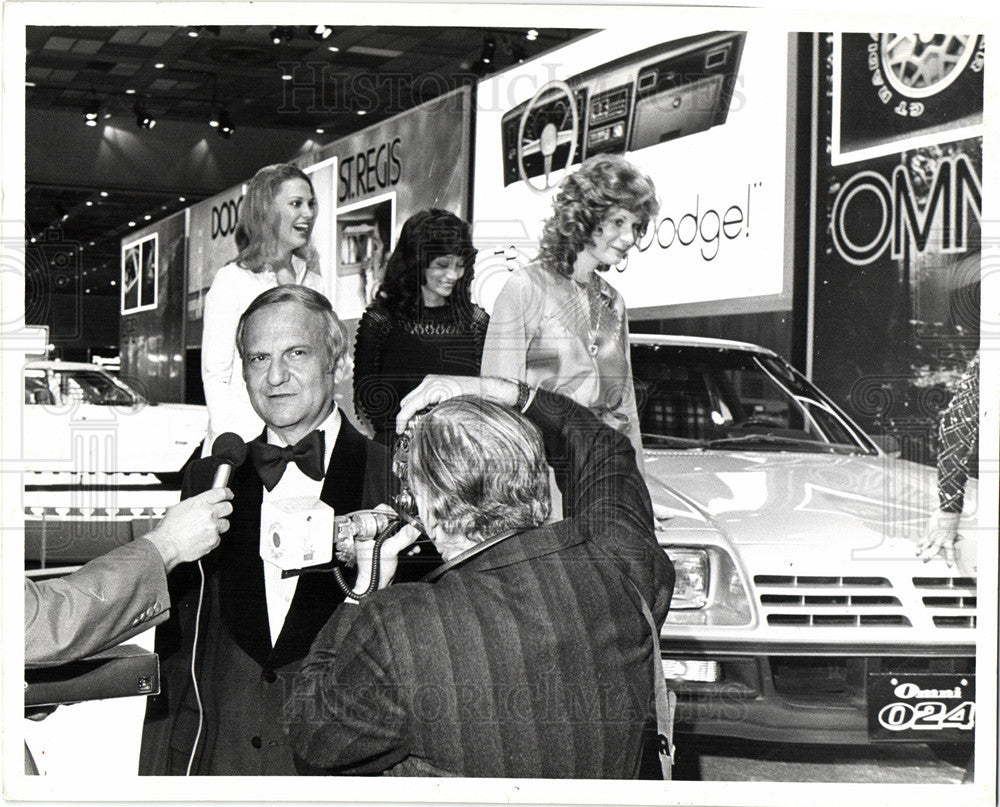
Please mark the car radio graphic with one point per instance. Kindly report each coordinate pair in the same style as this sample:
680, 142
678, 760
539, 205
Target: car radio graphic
661, 93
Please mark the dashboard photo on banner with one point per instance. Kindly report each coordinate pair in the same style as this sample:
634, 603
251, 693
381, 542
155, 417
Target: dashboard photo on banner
695, 111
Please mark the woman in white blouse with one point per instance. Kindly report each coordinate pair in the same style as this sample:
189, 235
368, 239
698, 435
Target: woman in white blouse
273, 238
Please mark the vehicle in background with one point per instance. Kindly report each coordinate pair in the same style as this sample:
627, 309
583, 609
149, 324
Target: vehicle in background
801, 612
79, 418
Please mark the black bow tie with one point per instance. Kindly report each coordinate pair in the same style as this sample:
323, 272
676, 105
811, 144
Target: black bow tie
270, 461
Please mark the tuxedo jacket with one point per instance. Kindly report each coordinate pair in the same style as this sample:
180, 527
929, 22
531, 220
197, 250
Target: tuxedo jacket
243, 679
529, 657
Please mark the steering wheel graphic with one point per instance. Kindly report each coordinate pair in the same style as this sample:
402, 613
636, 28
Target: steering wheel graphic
551, 135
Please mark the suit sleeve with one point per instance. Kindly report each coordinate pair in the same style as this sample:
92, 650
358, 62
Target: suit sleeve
347, 713
605, 493
105, 602
958, 432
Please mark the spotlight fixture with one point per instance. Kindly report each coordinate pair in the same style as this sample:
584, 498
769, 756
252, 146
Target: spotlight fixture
321, 32
531, 35
91, 111
225, 128
142, 118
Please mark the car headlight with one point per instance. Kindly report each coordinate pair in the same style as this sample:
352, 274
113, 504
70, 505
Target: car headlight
708, 589
691, 577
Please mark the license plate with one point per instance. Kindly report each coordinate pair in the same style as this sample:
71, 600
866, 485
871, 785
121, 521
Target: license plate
930, 707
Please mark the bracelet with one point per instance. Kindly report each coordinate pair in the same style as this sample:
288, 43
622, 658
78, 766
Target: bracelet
525, 395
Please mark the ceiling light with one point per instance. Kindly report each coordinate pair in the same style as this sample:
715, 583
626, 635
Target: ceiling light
321, 32
91, 110
333, 49
142, 118
131, 224
29, 84
287, 77
104, 194
320, 131
282, 33
147, 217
114, 282
531, 35
193, 33
362, 112
225, 129
489, 50
89, 203
159, 65
181, 199
130, 91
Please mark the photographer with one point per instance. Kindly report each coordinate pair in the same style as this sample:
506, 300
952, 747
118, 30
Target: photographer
527, 653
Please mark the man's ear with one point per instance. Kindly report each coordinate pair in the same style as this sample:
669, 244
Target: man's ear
341, 370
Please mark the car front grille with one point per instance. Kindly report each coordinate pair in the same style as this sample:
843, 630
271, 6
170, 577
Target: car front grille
820, 601
951, 601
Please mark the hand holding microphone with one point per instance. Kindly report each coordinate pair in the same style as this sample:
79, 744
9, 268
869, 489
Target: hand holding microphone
191, 528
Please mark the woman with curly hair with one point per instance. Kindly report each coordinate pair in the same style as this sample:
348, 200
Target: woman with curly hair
557, 324
273, 238
422, 319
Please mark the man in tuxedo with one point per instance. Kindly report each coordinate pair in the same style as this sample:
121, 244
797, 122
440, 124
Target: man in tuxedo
255, 627
530, 652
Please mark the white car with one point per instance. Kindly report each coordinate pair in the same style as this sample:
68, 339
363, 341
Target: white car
801, 612
79, 418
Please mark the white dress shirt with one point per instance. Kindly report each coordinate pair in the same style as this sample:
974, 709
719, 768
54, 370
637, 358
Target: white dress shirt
293, 484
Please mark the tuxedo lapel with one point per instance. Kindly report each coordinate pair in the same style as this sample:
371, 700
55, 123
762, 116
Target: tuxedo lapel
243, 603
317, 593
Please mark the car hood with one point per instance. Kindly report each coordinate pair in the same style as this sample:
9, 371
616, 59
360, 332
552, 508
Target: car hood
788, 497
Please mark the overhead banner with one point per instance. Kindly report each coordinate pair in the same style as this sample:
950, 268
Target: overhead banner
211, 245
375, 179
896, 284
701, 112
152, 298
893, 92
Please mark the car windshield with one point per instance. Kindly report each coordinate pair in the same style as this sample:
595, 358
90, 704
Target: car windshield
64, 386
717, 397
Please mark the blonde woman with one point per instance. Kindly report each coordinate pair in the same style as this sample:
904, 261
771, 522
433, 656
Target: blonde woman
273, 238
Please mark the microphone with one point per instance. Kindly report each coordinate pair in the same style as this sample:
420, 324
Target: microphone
231, 452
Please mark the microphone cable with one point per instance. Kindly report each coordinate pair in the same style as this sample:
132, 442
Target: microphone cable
231, 452
194, 676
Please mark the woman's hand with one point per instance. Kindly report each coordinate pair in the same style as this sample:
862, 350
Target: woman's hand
940, 537
435, 389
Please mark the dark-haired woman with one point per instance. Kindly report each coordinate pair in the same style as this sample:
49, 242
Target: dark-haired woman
422, 320
557, 324
273, 239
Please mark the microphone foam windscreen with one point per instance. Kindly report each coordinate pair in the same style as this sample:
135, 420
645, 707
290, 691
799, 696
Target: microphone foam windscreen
229, 448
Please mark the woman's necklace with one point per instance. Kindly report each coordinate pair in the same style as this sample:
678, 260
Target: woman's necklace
595, 308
